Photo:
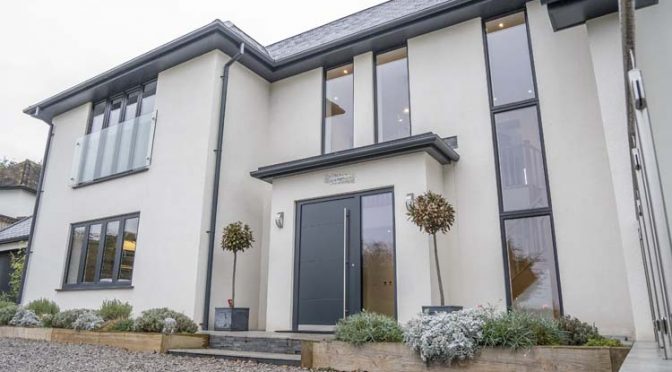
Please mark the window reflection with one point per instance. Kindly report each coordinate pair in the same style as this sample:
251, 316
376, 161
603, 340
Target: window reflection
338, 109
109, 249
128, 249
92, 253
77, 246
393, 107
509, 59
378, 285
533, 277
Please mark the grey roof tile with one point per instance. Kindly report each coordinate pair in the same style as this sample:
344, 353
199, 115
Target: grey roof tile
17, 231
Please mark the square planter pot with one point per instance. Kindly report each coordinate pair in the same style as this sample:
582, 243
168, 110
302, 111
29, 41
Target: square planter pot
440, 309
232, 319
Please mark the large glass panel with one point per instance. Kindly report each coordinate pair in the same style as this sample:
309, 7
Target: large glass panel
533, 277
92, 253
521, 165
393, 107
76, 246
378, 284
109, 250
109, 140
509, 59
148, 98
128, 249
98, 117
338, 110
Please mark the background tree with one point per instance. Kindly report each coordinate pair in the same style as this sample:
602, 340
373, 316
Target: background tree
236, 238
432, 213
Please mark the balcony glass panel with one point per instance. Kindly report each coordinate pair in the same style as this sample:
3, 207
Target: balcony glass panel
119, 148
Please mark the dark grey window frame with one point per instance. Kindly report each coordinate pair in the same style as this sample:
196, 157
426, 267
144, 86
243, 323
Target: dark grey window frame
519, 214
375, 89
325, 69
114, 284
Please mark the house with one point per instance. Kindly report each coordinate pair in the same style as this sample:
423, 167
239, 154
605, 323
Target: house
513, 110
18, 182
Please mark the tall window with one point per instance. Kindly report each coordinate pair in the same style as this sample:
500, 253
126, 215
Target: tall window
525, 209
102, 252
393, 110
338, 109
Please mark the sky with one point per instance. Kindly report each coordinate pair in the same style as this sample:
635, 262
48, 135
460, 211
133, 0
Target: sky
49, 46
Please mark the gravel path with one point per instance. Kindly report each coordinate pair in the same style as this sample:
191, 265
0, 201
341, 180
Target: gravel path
32, 356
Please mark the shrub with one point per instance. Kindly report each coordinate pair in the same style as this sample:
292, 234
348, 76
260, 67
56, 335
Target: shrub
4, 304
65, 319
153, 320
115, 309
88, 321
7, 312
119, 325
603, 341
446, 337
43, 306
46, 320
16, 263
517, 330
169, 326
368, 327
576, 331
25, 318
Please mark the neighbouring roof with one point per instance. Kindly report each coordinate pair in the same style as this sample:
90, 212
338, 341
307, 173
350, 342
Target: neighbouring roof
432, 144
16, 232
23, 175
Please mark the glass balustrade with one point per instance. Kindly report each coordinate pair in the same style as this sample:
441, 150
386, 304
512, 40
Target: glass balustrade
117, 149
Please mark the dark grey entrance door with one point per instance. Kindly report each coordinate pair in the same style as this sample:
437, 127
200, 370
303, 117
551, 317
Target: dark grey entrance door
345, 259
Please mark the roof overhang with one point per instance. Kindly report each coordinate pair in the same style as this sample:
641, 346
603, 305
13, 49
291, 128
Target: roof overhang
430, 143
569, 13
217, 35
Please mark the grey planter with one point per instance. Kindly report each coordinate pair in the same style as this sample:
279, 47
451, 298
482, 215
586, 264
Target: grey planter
232, 319
440, 309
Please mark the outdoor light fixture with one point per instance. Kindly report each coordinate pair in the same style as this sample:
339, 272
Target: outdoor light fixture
410, 198
280, 219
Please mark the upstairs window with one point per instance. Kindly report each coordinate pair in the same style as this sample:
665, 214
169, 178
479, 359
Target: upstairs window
338, 109
393, 110
118, 138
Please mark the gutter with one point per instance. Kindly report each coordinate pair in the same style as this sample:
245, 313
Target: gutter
215, 186
36, 208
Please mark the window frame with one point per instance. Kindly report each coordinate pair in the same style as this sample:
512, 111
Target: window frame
140, 89
325, 70
509, 107
97, 284
376, 109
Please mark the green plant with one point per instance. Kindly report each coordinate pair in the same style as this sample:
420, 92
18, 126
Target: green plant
153, 320
368, 327
7, 312
6, 303
43, 306
236, 238
65, 319
518, 330
432, 213
603, 341
115, 309
88, 321
16, 263
46, 320
25, 318
576, 331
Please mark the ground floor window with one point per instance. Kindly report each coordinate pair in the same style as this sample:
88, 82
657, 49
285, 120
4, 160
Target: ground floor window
102, 252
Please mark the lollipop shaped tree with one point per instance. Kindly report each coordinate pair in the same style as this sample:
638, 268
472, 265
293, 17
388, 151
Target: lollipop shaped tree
432, 213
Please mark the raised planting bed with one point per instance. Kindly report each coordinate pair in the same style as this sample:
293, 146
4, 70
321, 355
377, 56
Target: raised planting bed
398, 357
135, 341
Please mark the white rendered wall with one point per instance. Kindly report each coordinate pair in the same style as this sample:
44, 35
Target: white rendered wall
590, 257
408, 174
170, 196
449, 96
364, 100
16, 203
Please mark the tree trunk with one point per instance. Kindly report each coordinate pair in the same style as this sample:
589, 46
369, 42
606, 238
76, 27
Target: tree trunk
438, 271
233, 282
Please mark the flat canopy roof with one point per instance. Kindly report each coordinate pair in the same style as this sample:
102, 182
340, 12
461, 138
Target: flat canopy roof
430, 143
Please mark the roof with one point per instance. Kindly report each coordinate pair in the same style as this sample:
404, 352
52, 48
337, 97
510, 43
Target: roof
432, 144
24, 175
17, 231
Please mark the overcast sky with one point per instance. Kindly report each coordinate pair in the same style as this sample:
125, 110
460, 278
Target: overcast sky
50, 45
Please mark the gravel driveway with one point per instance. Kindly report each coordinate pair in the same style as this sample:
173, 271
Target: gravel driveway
27, 355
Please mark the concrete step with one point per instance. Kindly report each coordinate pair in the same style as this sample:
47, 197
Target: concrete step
274, 345
259, 357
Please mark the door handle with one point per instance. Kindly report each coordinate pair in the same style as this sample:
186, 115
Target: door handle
345, 261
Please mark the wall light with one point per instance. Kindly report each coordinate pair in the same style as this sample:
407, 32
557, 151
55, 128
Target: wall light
280, 219
410, 199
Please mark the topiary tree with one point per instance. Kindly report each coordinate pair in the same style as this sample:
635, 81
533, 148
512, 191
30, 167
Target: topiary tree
432, 213
236, 238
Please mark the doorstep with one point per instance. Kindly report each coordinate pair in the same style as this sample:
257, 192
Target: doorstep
645, 356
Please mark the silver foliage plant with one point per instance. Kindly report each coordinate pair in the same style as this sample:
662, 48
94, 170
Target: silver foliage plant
447, 337
88, 321
25, 318
169, 326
